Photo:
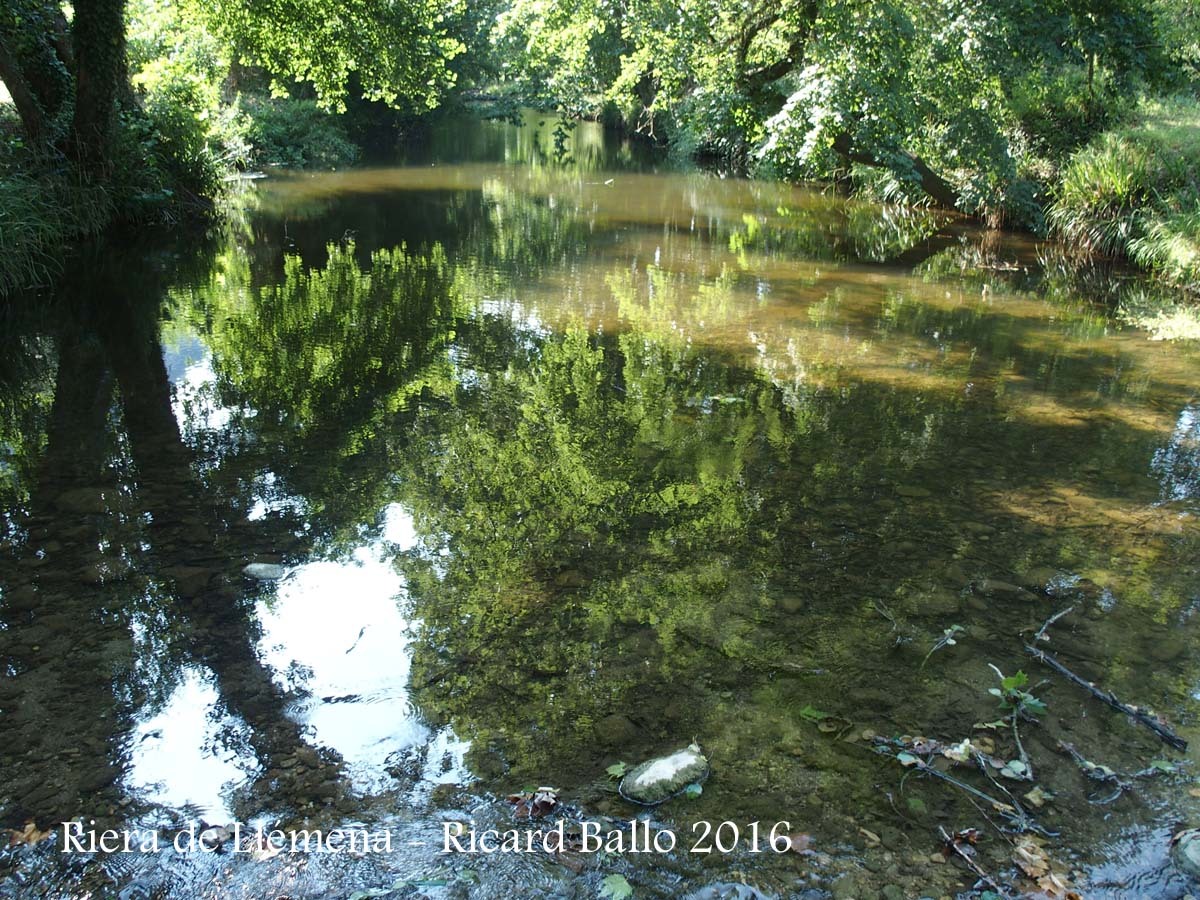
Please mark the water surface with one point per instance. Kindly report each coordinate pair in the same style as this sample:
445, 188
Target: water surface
571, 459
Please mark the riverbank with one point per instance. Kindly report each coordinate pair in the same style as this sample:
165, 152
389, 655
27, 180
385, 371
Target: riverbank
1133, 192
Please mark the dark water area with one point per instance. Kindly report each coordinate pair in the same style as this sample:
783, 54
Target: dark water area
545, 460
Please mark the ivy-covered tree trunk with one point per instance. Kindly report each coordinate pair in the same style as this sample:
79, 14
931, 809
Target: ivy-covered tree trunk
33, 119
37, 64
98, 37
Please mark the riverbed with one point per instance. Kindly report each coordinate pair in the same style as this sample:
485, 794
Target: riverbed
552, 457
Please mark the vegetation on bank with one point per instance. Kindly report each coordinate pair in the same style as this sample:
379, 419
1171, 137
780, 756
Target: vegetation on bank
1134, 191
1078, 119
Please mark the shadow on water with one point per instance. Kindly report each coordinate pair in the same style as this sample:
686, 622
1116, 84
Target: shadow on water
541, 472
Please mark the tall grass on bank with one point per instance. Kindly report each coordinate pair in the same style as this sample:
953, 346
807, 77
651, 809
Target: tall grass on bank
1134, 192
38, 216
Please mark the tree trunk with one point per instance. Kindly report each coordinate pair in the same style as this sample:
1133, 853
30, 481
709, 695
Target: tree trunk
933, 184
99, 43
33, 118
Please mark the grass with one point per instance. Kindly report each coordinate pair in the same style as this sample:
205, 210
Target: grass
39, 215
1134, 192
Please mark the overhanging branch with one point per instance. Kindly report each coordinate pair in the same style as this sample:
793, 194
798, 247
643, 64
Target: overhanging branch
938, 188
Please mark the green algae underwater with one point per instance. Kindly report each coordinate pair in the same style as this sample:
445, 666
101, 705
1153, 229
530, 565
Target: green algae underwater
549, 463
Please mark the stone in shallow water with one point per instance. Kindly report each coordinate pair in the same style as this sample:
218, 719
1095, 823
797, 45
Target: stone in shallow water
1002, 590
1185, 852
264, 571
726, 890
661, 778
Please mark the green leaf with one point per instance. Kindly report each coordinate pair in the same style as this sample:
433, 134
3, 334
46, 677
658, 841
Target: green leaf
812, 714
617, 770
1013, 682
615, 887
1033, 705
692, 791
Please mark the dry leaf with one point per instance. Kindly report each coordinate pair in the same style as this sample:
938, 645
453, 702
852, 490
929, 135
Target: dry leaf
872, 839
534, 805
984, 745
1048, 875
793, 843
1038, 798
27, 835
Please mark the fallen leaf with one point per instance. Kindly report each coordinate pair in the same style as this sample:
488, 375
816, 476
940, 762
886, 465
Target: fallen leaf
793, 843
984, 745
959, 752
29, 834
535, 804
872, 839
1038, 797
812, 714
615, 887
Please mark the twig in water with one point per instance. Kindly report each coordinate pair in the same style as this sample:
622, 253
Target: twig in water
1096, 772
1138, 715
1010, 811
972, 865
1040, 635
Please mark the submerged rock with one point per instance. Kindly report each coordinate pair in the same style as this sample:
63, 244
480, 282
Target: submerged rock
264, 571
615, 731
728, 890
1185, 852
663, 777
1002, 590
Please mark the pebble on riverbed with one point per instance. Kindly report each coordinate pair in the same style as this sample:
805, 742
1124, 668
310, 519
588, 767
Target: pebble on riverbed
659, 779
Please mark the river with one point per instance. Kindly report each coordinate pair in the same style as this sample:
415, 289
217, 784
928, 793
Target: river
549, 457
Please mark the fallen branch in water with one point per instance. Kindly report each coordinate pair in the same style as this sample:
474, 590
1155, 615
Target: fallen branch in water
1041, 632
1138, 715
1096, 772
1012, 811
953, 845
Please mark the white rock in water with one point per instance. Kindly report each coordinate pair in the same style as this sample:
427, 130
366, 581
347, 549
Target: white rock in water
659, 779
264, 571
1185, 852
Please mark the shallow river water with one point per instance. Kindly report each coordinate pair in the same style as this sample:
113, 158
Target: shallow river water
563, 460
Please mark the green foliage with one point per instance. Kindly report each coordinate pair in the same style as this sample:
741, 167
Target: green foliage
1013, 698
809, 713
297, 134
989, 96
615, 887
1135, 192
399, 52
191, 133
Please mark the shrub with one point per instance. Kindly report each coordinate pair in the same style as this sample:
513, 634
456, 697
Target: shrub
1135, 192
296, 134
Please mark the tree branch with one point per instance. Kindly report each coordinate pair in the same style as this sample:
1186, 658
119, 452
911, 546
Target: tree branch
933, 184
33, 118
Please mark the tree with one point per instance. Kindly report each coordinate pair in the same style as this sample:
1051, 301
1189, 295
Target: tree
57, 70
